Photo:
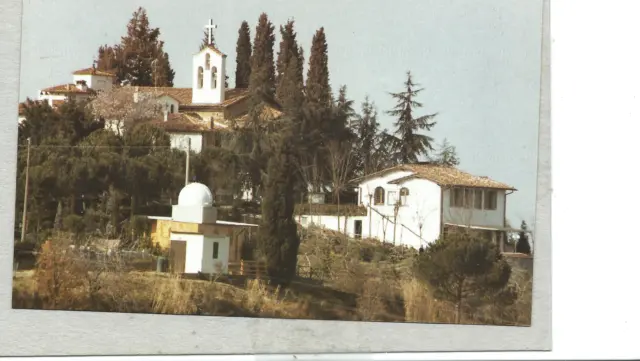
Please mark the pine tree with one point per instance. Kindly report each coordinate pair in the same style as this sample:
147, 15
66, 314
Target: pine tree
139, 59
278, 237
523, 246
243, 56
318, 90
289, 89
446, 155
410, 145
262, 79
463, 268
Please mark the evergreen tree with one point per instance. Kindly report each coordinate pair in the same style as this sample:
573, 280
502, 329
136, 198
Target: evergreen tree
464, 268
366, 128
139, 59
262, 79
409, 145
243, 56
205, 40
278, 237
446, 155
289, 89
523, 246
318, 90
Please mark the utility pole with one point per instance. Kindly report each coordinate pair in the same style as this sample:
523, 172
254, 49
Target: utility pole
26, 193
186, 175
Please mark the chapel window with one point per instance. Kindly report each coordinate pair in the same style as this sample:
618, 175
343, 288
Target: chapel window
214, 77
200, 77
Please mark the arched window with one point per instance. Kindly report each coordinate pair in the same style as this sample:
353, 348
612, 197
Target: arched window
207, 61
200, 77
214, 77
171, 108
404, 194
378, 196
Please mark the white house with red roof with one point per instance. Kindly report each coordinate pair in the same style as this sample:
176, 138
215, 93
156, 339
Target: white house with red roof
414, 204
85, 83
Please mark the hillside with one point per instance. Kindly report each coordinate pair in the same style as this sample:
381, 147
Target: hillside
330, 286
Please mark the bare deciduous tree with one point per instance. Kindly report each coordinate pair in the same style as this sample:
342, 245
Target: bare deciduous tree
121, 106
340, 162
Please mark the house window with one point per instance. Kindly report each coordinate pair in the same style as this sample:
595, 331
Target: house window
468, 198
214, 77
477, 198
392, 198
172, 108
491, 200
216, 247
457, 197
378, 196
200, 77
207, 61
404, 194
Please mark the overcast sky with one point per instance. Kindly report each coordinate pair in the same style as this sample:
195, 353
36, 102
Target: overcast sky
478, 61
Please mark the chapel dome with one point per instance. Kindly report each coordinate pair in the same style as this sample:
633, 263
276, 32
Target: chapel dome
195, 194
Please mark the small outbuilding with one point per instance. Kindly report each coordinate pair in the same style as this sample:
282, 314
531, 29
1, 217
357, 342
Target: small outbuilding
196, 240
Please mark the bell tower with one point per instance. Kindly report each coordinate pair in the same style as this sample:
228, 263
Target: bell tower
209, 69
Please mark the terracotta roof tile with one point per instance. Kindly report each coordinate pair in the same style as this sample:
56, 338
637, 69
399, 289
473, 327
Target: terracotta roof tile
442, 175
184, 95
214, 49
182, 122
67, 89
93, 71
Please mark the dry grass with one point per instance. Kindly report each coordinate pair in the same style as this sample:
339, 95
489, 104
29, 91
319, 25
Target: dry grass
360, 280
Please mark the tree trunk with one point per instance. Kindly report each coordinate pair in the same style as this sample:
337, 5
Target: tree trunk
338, 201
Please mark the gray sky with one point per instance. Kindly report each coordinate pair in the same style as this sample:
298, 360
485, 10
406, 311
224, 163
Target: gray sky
478, 61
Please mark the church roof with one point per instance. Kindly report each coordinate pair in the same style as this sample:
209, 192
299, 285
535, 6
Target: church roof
67, 89
184, 95
182, 122
93, 71
214, 49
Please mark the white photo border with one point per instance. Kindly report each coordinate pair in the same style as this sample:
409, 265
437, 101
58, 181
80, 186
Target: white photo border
53, 333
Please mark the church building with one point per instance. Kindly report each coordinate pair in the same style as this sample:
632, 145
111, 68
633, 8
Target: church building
197, 117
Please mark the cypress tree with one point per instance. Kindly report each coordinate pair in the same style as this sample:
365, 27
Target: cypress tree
289, 70
318, 90
262, 79
243, 56
366, 127
409, 145
523, 246
278, 237
205, 40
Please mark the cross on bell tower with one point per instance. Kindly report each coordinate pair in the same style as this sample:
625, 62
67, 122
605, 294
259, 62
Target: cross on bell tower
209, 28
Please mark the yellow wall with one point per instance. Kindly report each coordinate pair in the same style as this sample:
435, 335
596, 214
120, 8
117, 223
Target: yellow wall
161, 234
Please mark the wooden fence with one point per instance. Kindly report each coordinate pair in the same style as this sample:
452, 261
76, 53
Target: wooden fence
255, 269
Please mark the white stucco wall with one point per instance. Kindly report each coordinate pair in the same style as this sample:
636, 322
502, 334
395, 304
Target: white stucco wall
49, 98
332, 222
208, 262
194, 253
207, 95
472, 216
95, 82
169, 101
180, 141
